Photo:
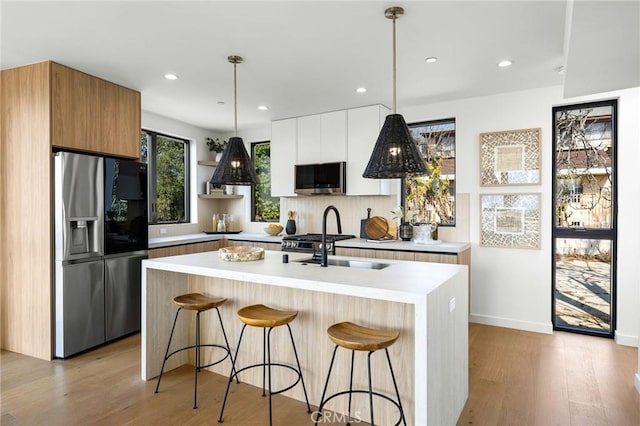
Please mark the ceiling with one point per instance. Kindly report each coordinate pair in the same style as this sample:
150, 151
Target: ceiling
306, 57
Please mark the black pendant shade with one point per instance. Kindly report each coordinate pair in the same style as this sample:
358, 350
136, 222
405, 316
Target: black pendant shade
396, 154
235, 166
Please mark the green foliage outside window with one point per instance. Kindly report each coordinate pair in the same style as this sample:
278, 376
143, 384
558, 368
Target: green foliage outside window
265, 207
170, 172
168, 176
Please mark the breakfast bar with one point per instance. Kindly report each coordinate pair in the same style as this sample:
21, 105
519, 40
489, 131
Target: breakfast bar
426, 302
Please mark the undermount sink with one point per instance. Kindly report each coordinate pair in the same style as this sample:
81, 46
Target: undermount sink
362, 264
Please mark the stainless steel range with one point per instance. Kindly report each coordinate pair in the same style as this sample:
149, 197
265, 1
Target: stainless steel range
311, 243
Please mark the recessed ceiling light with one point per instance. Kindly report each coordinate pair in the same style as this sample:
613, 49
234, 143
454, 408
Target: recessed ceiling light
560, 70
263, 108
431, 59
171, 76
361, 89
505, 63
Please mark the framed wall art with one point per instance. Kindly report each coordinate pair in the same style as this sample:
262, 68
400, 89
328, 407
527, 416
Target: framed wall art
510, 158
510, 220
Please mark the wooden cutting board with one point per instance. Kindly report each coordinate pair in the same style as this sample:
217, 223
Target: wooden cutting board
377, 228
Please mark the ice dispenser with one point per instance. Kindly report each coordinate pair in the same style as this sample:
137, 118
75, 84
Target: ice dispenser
82, 235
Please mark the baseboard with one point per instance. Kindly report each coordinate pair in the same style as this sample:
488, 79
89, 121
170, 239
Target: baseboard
638, 382
626, 340
510, 323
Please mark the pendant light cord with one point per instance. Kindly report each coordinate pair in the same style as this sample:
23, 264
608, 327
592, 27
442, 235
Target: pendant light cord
235, 98
394, 63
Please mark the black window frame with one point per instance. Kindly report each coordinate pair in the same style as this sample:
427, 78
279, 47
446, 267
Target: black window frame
253, 189
152, 178
453, 185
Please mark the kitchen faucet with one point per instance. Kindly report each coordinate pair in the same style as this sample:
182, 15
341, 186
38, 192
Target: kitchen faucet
323, 249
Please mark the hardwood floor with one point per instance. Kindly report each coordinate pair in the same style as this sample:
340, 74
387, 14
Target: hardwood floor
515, 378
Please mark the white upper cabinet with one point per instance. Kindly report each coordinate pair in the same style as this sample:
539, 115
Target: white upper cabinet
346, 135
283, 156
364, 125
309, 142
333, 136
322, 138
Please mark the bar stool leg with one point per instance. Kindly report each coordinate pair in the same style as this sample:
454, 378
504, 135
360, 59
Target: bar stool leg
196, 367
175, 319
395, 385
370, 387
353, 354
295, 352
269, 369
326, 384
226, 341
233, 373
264, 359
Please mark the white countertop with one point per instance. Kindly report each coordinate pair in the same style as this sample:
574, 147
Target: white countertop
402, 281
443, 247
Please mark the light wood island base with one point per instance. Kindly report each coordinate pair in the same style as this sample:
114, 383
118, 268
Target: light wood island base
430, 357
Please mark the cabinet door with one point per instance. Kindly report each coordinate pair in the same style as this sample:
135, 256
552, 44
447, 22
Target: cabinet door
283, 157
93, 115
394, 255
267, 246
363, 127
437, 258
75, 110
120, 120
308, 140
333, 136
355, 252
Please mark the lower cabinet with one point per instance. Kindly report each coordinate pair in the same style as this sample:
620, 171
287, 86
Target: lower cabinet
208, 246
184, 249
462, 258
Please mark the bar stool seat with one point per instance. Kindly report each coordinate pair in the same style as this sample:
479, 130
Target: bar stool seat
358, 338
198, 303
267, 318
355, 337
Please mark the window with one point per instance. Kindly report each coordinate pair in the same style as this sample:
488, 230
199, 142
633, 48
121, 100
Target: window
168, 174
433, 196
264, 207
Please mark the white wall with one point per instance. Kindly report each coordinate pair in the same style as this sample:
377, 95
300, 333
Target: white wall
512, 287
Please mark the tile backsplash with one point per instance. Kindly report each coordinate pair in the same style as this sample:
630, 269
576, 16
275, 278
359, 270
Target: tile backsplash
309, 211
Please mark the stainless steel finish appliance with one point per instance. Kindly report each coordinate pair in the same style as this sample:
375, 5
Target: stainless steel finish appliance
311, 243
321, 179
97, 285
79, 268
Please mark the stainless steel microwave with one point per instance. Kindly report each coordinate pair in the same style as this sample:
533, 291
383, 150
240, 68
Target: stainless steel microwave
318, 179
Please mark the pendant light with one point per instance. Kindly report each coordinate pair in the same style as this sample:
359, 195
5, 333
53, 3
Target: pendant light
395, 154
235, 166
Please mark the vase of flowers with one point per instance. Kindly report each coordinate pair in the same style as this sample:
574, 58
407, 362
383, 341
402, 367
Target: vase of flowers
406, 216
217, 146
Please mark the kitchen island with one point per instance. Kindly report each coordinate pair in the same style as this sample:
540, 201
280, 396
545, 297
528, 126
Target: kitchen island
426, 302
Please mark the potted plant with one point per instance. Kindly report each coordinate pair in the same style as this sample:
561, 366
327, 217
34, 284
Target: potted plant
405, 229
217, 146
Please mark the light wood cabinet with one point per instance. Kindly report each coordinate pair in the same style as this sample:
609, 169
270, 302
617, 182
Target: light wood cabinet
47, 105
184, 249
93, 115
283, 157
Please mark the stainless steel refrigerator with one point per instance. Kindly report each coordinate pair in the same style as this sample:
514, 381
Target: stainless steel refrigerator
100, 235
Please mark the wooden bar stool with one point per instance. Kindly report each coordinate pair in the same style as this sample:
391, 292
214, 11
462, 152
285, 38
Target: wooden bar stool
266, 318
199, 303
358, 338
